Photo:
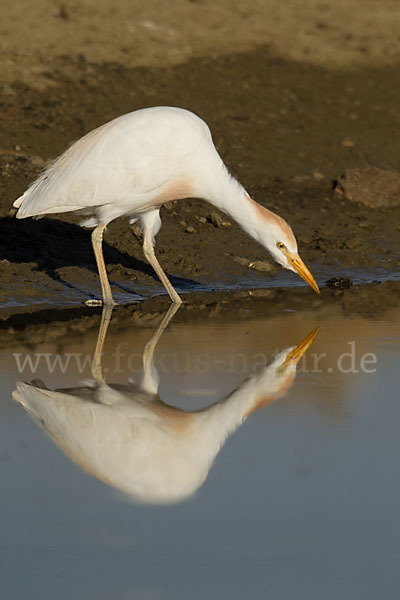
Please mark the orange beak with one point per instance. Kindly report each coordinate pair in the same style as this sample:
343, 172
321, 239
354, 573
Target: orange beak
302, 270
301, 348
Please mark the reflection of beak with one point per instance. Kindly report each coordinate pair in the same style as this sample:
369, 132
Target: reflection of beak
302, 270
301, 348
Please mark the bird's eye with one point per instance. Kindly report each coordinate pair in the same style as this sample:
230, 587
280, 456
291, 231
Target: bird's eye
281, 245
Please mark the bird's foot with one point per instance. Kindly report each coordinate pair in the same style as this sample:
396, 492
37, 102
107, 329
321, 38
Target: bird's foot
93, 302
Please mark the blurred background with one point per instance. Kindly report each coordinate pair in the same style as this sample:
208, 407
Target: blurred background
335, 34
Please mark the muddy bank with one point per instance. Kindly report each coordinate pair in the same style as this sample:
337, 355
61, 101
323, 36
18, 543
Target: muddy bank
368, 301
287, 131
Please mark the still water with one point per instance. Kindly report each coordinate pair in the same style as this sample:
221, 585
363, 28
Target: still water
191, 460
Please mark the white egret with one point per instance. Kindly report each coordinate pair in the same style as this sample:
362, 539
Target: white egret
127, 437
139, 161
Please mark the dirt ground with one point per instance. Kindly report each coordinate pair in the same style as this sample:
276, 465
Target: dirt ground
295, 93
330, 33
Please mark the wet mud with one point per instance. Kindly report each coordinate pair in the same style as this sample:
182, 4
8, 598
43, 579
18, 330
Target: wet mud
287, 131
50, 325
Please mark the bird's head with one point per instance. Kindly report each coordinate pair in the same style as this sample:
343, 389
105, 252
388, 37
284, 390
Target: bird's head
278, 238
277, 377
284, 365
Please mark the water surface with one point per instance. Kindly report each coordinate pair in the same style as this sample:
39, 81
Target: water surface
299, 499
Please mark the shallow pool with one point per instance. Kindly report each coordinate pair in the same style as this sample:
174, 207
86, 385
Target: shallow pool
190, 469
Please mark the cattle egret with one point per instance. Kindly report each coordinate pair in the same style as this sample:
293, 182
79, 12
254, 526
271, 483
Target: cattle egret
126, 436
139, 161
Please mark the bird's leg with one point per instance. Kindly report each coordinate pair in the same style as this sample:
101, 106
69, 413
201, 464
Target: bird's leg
149, 253
153, 341
97, 243
149, 379
101, 336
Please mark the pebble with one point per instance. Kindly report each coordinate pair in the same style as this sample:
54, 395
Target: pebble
261, 293
339, 283
218, 221
190, 229
261, 265
241, 260
371, 186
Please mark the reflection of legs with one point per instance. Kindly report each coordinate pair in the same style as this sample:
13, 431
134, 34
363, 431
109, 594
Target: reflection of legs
101, 336
97, 241
151, 224
153, 341
149, 380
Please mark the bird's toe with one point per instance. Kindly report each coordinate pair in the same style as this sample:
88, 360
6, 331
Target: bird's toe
93, 302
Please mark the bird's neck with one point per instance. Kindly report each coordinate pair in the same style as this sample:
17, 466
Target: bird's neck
233, 199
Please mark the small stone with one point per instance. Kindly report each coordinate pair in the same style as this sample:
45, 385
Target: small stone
241, 261
261, 265
300, 178
202, 220
348, 143
364, 225
190, 229
7, 90
216, 219
339, 283
372, 186
262, 293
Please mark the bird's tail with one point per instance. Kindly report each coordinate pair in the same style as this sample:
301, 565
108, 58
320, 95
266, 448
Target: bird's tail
19, 200
27, 395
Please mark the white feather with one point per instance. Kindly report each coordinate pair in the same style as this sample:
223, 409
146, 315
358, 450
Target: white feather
123, 164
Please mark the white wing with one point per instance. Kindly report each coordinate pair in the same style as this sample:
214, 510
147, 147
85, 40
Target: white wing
122, 161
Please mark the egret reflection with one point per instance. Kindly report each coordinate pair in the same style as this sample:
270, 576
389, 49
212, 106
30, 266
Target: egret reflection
126, 436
